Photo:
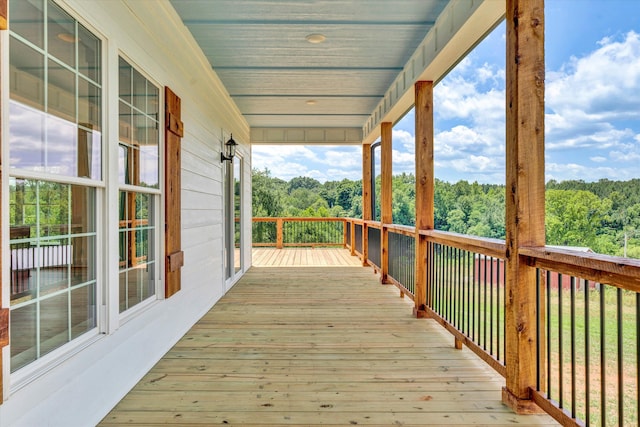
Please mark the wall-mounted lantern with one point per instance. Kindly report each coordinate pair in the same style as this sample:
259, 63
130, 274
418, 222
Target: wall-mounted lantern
229, 150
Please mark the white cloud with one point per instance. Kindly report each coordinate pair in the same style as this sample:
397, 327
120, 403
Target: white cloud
628, 156
346, 158
598, 159
473, 164
563, 171
602, 85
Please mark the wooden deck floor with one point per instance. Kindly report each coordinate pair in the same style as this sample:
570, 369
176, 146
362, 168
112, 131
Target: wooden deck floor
316, 346
303, 257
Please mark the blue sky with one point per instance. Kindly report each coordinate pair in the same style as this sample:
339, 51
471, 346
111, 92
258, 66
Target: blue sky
592, 107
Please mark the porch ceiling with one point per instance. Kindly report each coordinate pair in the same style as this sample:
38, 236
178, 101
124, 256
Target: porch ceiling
291, 90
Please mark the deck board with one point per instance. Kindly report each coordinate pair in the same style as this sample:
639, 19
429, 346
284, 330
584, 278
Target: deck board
303, 257
316, 346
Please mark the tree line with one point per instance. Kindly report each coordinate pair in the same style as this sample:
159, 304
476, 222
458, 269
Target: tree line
603, 215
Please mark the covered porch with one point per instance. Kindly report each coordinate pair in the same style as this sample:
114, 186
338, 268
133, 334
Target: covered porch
317, 346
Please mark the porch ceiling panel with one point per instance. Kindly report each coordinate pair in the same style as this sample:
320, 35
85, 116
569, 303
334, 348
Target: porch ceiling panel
259, 49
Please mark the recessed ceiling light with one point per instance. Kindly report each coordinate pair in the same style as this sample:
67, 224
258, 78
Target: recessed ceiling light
316, 38
312, 102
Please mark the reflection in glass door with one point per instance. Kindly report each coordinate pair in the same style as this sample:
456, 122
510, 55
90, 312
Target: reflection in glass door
233, 223
237, 205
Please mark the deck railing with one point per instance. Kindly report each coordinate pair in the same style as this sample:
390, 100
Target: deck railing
310, 232
465, 291
587, 324
402, 258
588, 358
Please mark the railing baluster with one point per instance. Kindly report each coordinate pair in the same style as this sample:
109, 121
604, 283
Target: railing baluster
549, 360
458, 310
491, 306
499, 307
560, 346
538, 332
484, 307
587, 351
620, 359
573, 346
603, 374
447, 283
476, 280
469, 284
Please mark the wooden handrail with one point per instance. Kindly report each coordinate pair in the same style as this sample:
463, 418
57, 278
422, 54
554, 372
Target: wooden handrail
299, 219
622, 273
407, 230
486, 246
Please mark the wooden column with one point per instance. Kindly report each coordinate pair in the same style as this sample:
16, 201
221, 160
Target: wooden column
524, 193
367, 190
366, 182
424, 188
279, 234
386, 212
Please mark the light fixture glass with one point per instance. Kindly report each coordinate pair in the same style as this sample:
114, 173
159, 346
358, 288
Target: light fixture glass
229, 150
316, 38
312, 102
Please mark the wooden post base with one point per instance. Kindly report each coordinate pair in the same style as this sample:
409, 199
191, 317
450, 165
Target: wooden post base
520, 406
420, 313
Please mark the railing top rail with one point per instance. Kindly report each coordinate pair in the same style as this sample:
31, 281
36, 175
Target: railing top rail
407, 230
486, 246
616, 271
301, 219
373, 224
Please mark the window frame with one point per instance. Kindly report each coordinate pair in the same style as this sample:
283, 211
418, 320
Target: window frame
156, 193
31, 371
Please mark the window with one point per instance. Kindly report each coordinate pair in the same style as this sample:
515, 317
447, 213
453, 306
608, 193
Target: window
139, 181
54, 135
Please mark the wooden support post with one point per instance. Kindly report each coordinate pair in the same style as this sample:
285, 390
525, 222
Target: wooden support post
353, 238
345, 235
366, 182
525, 70
386, 212
279, 234
366, 199
424, 189
457, 344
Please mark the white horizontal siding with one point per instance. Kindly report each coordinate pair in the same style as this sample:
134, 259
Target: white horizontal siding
82, 389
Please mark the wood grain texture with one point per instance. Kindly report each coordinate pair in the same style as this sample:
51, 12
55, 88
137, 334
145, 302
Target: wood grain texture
304, 257
425, 174
386, 195
483, 245
525, 188
173, 189
366, 182
290, 346
615, 271
425, 186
